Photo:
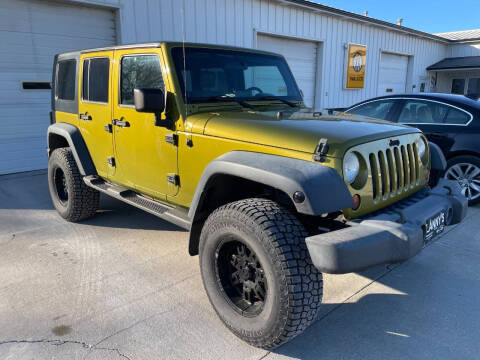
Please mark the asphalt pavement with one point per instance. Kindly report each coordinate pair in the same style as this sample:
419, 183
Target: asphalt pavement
122, 286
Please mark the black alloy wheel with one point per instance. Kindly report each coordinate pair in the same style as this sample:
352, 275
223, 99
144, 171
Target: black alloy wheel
61, 187
241, 276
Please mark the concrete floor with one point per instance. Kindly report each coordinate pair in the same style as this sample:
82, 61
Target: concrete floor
122, 286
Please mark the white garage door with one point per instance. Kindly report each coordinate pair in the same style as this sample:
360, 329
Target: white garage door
31, 32
392, 77
301, 57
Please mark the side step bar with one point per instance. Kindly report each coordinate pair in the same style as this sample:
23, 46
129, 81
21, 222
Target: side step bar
128, 196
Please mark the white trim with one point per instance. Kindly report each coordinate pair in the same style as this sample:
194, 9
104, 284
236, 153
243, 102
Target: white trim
422, 99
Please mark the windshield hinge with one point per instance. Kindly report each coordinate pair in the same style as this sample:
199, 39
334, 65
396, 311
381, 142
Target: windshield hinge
111, 161
321, 150
173, 179
172, 139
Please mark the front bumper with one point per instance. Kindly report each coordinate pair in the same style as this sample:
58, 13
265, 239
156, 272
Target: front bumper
392, 235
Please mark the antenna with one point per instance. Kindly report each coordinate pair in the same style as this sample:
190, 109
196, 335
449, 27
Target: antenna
184, 59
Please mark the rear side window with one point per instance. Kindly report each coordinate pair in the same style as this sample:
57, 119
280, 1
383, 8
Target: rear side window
66, 79
457, 117
139, 72
375, 109
95, 79
422, 112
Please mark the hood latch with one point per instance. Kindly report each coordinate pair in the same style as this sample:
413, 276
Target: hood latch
321, 150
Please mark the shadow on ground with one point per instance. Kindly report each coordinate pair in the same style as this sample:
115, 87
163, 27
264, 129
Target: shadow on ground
17, 193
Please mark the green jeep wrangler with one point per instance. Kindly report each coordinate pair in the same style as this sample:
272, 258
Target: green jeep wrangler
218, 141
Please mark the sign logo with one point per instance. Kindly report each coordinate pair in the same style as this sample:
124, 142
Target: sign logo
356, 55
357, 62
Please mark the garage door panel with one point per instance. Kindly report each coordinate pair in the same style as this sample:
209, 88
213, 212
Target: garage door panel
24, 97
301, 57
45, 45
38, 17
23, 154
31, 33
392, 76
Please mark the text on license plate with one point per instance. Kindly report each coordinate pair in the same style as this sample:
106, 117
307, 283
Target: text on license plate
434, 226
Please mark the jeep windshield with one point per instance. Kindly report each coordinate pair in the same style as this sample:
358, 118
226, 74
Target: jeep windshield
217, 75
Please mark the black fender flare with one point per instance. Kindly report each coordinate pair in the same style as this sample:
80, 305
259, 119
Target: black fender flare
437, 159
73, 137
325, 191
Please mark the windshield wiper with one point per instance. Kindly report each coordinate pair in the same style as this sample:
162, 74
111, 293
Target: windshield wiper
230, 99
273, 97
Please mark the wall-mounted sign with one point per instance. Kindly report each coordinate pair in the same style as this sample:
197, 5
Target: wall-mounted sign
357, 55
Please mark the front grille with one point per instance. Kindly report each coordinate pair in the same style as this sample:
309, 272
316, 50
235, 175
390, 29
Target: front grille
394, 170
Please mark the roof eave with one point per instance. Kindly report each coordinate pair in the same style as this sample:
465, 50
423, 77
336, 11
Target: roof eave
346, 14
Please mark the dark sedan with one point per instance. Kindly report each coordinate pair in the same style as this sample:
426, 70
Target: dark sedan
450, 121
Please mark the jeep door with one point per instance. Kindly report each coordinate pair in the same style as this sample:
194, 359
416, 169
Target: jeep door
143, 157
95, 108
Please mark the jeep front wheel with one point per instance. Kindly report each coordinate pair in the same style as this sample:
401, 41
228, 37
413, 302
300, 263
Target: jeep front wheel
257, 272
73, 200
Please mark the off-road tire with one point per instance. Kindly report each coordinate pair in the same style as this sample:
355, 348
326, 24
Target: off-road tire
295, 287
465, 159
82, 202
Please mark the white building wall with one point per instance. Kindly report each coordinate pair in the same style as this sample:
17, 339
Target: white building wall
236, 22
466, 49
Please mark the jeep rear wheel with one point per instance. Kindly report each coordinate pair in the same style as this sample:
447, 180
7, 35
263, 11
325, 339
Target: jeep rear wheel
73, 200
257, 272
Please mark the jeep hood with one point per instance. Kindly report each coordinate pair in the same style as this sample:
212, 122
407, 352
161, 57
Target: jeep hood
300, 131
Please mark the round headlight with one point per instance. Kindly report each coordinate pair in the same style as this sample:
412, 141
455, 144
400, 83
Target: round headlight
351, 167
421, 148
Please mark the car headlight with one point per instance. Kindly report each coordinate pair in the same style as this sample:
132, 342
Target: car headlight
422, 150
351, 167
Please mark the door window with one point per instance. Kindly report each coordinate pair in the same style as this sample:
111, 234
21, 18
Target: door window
458, 86
95, 79
375, 109
139, 72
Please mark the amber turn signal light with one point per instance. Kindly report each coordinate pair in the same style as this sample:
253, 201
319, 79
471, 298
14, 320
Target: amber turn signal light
356, 201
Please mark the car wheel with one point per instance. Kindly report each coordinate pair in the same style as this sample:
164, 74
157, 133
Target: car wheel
465, 170
257, 272
73, 200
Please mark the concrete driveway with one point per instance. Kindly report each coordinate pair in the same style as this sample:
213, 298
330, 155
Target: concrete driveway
122, 286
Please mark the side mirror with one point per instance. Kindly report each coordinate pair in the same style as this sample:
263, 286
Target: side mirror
149, 100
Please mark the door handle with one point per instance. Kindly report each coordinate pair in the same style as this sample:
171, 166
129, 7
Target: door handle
84, 116
120, 123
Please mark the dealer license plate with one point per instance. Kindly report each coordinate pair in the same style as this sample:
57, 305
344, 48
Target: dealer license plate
434, 226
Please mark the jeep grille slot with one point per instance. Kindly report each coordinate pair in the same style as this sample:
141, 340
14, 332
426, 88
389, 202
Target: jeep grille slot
394, 171
384, 174
375, 175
